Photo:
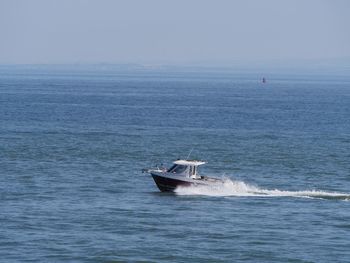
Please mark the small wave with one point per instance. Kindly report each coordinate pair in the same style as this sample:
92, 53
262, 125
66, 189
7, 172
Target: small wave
240, 188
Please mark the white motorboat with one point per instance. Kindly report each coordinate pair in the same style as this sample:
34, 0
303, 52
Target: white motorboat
183, 173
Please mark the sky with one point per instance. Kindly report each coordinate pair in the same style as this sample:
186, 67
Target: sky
172, 32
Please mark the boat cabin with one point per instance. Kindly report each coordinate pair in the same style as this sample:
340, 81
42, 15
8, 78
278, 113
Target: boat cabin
186, 168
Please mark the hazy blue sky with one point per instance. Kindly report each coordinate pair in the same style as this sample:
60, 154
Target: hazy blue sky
178, 31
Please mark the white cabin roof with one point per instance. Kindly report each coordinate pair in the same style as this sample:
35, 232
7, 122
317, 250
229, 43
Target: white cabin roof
189, 162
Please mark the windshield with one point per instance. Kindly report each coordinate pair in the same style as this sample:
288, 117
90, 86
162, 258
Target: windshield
171, 168
178, 169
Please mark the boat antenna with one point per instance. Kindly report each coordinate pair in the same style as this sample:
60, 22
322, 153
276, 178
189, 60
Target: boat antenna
188, 156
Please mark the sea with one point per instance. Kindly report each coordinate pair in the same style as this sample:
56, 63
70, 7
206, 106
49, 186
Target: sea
74, 140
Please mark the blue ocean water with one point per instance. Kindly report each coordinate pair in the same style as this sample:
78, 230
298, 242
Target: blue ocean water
73, 143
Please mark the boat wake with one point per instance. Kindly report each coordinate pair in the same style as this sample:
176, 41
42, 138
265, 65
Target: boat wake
240, 188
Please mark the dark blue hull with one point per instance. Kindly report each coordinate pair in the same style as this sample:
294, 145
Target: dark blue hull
166, 184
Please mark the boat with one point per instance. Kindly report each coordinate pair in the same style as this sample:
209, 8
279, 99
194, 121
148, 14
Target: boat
183, 173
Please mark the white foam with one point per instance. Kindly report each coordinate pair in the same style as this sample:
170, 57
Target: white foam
240, 188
